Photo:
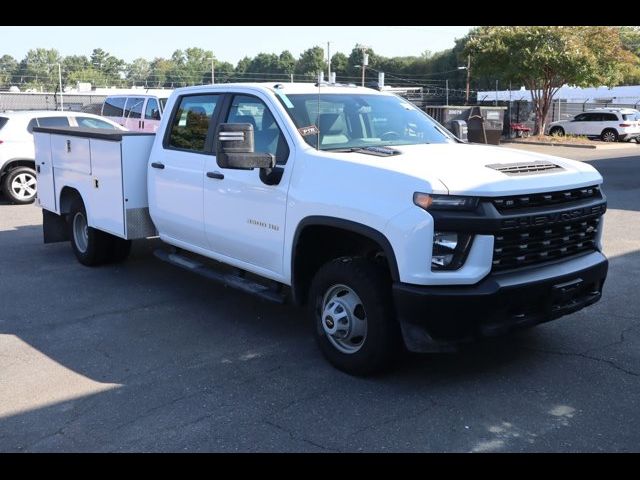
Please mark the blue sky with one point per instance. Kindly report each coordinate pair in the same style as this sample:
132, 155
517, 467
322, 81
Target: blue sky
228, 43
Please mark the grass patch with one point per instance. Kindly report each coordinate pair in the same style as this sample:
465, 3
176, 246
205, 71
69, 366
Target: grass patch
563, 139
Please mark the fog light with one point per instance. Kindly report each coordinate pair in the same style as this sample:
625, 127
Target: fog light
449, 250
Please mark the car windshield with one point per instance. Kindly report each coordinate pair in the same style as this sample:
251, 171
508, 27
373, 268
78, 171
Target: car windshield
346, 121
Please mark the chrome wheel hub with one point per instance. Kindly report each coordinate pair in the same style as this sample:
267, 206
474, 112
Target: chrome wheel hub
344, 319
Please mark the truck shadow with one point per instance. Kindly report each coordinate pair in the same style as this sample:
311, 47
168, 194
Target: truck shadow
143, 356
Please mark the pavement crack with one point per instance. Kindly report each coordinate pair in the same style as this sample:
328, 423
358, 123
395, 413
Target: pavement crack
295, 437
588, 357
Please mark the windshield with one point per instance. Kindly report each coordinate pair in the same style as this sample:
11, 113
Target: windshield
354, 120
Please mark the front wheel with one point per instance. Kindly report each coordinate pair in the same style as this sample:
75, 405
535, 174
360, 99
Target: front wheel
351, 305
20, 185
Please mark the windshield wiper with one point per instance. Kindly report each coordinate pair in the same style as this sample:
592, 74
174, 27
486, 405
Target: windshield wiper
378, 151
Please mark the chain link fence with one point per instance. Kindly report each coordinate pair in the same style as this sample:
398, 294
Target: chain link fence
50, 101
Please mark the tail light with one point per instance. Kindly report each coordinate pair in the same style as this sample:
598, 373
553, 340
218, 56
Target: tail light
625, 124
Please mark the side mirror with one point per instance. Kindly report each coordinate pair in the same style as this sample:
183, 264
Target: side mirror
235, 148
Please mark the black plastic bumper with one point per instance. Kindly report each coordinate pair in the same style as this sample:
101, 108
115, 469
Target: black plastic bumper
436, 318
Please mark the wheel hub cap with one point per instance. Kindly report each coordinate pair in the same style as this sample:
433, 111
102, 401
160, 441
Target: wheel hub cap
24, 186
344, 320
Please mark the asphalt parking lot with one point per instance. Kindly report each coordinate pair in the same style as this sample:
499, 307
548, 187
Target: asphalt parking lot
146, 357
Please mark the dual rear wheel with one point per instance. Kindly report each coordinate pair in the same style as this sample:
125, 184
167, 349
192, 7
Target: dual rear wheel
91, 246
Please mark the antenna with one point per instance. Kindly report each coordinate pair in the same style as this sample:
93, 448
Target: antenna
318, 120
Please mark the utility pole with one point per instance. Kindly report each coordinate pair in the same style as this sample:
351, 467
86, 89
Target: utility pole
213, 78
468, 77
365, 59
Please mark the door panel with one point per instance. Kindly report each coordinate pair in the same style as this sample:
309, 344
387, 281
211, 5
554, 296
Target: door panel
177, 171
244, 218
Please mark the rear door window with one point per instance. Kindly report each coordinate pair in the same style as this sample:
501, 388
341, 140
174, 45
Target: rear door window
89, 122
113, 107
191, 121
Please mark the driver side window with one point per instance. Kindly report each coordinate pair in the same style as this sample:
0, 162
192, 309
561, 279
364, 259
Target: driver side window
267, 136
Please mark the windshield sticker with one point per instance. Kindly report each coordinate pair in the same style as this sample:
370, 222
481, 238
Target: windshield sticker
285, 99
310, 130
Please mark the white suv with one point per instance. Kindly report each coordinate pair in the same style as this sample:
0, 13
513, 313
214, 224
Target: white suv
17, 154
608, 124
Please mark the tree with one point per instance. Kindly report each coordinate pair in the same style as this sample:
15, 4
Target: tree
138, 71
311, 62
39, 69
8, 67
339, 63
546, 58
286, 62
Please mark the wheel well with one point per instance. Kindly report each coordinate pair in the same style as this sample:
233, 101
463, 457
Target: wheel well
315, 245
67, 196
17, 163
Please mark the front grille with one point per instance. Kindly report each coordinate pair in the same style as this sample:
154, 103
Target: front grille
541, 244
532, 200
518, 169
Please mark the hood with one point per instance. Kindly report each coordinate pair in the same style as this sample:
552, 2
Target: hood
467, 169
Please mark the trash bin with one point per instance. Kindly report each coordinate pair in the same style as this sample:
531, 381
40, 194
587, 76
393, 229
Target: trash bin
485, 124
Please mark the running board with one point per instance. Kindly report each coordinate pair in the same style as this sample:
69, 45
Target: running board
227, 279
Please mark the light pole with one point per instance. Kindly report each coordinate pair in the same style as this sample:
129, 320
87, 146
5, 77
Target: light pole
60, 80
468, 69
213, 72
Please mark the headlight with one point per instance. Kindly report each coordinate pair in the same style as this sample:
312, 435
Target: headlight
444, 202
450, 250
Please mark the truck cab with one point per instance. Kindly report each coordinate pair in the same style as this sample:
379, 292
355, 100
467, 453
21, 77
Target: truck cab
350, 201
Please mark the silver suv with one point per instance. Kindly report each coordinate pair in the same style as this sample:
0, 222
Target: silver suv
608, 124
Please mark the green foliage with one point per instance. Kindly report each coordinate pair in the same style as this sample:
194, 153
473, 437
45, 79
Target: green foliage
311, 62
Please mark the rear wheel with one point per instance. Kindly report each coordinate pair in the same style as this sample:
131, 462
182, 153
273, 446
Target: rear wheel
91, 247
556, 132
609, 135
20, 185
351, 305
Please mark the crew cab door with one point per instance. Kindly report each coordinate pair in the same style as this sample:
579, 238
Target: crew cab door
176, 171
244, 215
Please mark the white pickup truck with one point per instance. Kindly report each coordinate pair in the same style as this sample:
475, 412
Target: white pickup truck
349, 200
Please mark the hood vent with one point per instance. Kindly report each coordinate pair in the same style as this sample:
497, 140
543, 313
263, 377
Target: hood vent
533, 168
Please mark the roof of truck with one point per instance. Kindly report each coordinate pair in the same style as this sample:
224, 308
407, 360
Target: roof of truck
286, 87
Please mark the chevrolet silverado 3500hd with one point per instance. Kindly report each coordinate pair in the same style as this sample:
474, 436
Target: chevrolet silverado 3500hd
349, 200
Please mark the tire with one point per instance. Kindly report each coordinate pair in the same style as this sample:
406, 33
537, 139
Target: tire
91, 247
20, 185
609, 135
355, 293
557, 131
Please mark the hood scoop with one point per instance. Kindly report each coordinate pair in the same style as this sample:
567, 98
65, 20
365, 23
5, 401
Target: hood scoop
531, 168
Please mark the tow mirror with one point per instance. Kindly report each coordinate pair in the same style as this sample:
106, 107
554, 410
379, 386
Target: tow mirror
235, 148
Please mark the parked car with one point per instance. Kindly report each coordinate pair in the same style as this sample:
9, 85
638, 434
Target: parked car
17, 155
135, 112
608, 124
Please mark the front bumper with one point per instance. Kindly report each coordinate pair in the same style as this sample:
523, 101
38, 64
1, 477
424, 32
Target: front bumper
436, 318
